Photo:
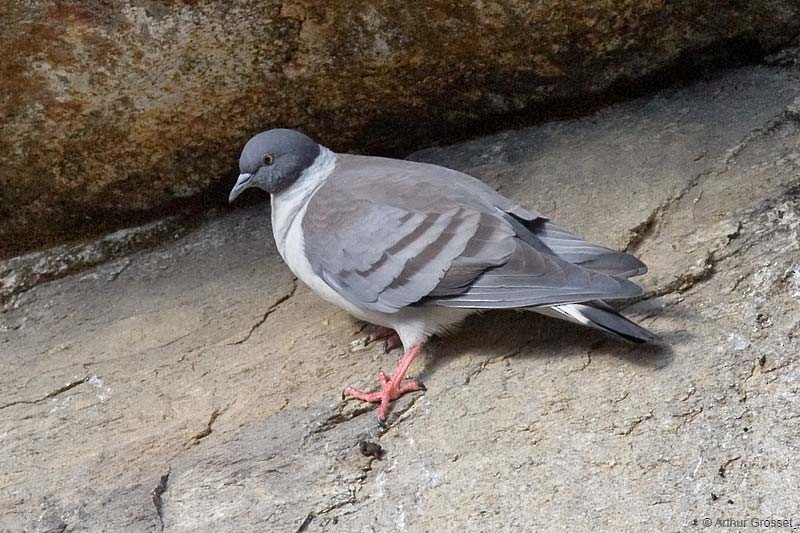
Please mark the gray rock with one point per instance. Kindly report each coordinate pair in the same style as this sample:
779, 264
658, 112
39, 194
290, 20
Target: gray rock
198, 390
110, 111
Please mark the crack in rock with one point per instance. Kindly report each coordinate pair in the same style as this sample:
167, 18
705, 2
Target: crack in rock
634, 424
348, 500
271, 309
791, 114
621, 398
696, 274
22, 273
340, 417
112, 276
342, 500
688, 416
69, 386
195, 440
706, 268
689, 393
400, 415
585, 364
173, 341
490, 361
306, 522
158, 492
723, 467
644, 229
649, 227
755, 372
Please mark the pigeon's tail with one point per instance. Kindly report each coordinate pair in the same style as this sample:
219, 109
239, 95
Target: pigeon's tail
599, 315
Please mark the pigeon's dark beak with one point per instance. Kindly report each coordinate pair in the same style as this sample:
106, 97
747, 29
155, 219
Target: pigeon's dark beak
242, 183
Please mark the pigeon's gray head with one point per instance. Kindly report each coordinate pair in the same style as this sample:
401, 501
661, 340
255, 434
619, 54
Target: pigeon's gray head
273, 160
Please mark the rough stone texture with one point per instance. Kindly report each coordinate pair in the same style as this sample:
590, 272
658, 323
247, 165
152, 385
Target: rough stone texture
19, 274
109, 110
197, 388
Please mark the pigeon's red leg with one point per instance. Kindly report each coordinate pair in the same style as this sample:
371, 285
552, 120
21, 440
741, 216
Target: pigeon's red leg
379, 332
391, 387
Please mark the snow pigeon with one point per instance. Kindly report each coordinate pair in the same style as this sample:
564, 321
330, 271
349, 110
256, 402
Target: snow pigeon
415, 248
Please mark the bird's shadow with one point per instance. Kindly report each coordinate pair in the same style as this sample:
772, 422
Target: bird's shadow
521, 333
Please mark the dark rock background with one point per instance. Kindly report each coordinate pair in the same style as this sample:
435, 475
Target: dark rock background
115, 112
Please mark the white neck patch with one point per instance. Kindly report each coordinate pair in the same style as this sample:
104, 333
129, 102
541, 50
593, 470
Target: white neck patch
289, 202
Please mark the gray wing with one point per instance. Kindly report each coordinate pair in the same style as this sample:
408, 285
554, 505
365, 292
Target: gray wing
548, 237
386, 234
530, 279
384, 257
529, 225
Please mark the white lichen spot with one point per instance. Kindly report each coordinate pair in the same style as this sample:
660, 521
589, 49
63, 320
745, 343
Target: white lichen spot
430, 476
380, 484
740, 343
697, 467
794, 279
60, 404
400, 519
102, 390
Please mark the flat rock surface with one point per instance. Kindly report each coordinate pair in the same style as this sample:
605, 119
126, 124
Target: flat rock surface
195, 386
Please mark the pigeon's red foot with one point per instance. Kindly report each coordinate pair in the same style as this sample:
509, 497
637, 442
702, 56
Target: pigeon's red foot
391, 339
391, 387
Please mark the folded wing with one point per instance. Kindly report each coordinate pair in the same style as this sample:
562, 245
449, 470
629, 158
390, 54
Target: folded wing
548, 237
386, 234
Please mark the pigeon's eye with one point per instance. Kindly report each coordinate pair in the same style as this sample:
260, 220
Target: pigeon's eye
267, 159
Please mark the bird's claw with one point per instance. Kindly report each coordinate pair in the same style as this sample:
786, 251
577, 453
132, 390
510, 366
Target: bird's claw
391, 387
389, 392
